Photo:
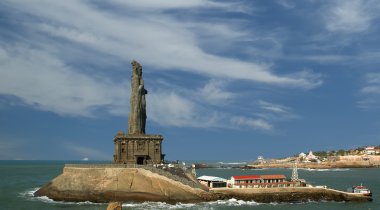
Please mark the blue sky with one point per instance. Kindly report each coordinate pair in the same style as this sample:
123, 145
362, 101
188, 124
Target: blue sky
227, 80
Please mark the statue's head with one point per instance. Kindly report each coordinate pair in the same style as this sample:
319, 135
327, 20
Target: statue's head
136, 67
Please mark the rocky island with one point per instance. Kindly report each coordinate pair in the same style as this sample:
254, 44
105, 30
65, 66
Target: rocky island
139, 173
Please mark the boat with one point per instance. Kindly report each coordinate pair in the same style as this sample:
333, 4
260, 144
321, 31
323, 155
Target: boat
361, 190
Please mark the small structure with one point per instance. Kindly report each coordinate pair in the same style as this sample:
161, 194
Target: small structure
302, 156
311, 157
263, 181
136, 147
370, 150
261, 159
295, 172
212, 181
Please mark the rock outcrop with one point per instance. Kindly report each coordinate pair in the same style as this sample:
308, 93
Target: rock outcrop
117, 184
115, 206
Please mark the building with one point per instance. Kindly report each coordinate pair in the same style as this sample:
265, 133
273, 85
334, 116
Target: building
262, 181
370, 150
212, 181
311, 157
302, 156
136, 147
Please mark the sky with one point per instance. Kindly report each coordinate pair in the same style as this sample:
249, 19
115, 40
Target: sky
226, 80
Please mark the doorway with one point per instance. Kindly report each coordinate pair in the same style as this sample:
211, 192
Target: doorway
140, 160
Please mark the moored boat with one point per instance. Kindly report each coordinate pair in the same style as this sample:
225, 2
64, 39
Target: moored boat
361, 190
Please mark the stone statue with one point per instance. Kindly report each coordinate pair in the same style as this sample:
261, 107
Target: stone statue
137, 116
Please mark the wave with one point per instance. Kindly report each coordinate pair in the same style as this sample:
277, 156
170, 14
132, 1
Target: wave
29, 194
203, 205
233, 202
159, 205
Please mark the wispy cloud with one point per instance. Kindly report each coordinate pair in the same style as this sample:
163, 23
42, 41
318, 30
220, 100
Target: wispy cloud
259, 124
154, 38
46, 83
288, 4
275, 112
45, 65
370, 93
350, 16
276, 108
214, 93
168, 4
170, 108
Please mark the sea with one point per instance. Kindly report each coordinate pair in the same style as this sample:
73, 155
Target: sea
20, 179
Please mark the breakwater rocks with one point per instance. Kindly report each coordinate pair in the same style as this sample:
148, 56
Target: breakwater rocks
296, 194
104, 184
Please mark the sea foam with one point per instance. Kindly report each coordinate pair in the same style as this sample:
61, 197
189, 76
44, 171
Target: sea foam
29, 194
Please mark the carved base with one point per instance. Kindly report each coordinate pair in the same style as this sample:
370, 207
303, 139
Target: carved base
138, 149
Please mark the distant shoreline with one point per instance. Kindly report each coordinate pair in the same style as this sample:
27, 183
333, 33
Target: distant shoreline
321, 165
303, 165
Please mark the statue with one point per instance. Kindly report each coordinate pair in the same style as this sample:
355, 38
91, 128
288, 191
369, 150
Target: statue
137, 147
137, 116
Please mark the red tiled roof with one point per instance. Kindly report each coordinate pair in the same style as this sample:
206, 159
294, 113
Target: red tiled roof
274, 176
245, 177
249, 177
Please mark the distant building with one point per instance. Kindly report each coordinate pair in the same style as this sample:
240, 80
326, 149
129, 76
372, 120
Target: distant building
261, 159
311, 157
370, 150
302, 156
262, 181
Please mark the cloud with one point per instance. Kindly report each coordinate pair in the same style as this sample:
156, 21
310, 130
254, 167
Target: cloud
371, 89
169, 108
373, 78
46, 83
288, 4
350, 16
273, 107
214, 93
275, 112
253, 123
167, 4
372, 84
152, 38
55, 68
370, 93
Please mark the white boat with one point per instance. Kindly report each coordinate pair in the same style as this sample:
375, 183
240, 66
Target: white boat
361, 190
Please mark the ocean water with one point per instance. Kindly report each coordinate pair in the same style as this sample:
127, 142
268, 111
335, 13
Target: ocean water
19, 179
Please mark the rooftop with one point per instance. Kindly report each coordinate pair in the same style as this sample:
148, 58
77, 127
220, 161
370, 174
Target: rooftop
250, 177
212, 179
245, 177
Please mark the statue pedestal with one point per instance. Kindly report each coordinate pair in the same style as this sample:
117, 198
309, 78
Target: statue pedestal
140, 149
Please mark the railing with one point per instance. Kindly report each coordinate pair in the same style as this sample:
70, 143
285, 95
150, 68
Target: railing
151, 168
